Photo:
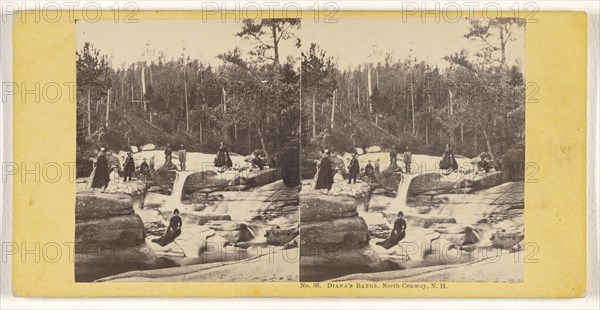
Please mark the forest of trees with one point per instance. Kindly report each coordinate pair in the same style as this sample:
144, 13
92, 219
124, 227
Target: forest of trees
250, 101
476, 104
256, 100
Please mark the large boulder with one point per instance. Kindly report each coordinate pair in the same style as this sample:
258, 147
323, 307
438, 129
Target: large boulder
506, 240
365, 257
111, 232
164, 178
488, 180
430, 182
344, 233
280, 236
316, 207
96, 205
109, 235
257, 178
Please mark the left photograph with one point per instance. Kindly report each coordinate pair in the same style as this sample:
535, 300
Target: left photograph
187, 151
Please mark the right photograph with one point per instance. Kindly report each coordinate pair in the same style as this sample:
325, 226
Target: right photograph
413, 149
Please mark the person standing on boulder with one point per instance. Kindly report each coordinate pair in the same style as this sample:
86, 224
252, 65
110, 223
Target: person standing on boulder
101, 172
393, 159
448, 161
168, 154
398, 233
223, 160
369, 170
353, 168
129, 167
326, 173
181, 154
144, 168
407, 157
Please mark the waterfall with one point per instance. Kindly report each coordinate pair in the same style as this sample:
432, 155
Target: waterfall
402, 193
177, 192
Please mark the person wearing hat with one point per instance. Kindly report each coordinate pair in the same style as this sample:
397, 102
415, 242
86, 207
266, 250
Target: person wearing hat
144, 168
326, 173
129, 167
353, 168
407, 158
168, 153
181, 154
100, 177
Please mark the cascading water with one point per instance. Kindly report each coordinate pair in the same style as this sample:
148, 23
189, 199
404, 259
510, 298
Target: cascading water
177, 192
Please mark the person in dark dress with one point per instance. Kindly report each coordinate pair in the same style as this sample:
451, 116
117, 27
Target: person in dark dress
223, 160
101, 172
448, 161
129, 167
326, 173
173, 231
353, 169
398, 233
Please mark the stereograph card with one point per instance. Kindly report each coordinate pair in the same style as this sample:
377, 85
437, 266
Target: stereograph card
375, 154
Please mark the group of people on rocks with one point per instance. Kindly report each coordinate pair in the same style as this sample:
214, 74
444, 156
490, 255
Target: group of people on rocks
107, 168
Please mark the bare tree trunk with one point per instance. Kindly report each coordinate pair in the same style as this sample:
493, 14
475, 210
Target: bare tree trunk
235, 131
89, 114
427, 133
187, 110
333, 107
201, 130
275, 44
476, 144
107, 107
462, 133
412, 107
314, 116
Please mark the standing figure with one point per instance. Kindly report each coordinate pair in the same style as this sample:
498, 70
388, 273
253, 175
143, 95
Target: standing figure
398, 233
168, 154
144, 169
173, 231
325, 173
369, 170
181, 154
393, 159
101, 177
114, 164
129, 167
376, 166
223, 160
448, 161
353, 168
407, 158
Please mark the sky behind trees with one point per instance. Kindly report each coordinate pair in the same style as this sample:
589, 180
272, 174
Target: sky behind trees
126, 43
355, 41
